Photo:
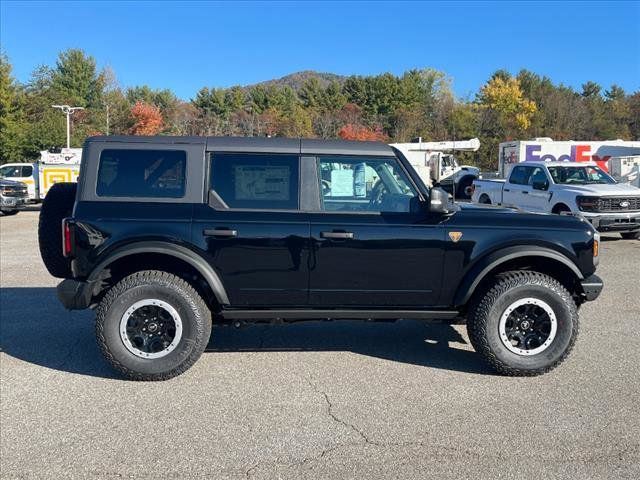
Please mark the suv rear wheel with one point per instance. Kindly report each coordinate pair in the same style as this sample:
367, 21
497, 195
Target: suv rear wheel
152, 325
524, 325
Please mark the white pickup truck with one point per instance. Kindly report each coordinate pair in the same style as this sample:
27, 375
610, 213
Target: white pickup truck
581, 188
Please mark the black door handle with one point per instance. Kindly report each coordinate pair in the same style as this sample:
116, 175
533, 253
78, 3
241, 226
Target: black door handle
220, 232
506, 190
525, 192
336, 235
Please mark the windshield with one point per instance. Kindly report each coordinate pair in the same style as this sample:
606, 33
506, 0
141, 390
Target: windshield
585, 175
9, 171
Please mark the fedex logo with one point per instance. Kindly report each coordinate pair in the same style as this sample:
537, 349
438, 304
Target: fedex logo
579, 153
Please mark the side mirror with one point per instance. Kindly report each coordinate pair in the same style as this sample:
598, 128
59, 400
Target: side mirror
438, 200
540, 185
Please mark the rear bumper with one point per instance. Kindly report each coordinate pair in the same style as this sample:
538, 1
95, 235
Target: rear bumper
75, 294
592, 287
614, 222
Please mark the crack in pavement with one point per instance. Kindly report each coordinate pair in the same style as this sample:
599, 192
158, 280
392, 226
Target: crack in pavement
338, 419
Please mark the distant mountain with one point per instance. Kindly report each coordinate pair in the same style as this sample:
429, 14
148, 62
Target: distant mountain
296, 80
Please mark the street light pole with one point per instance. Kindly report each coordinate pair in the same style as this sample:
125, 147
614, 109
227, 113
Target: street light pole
68, 111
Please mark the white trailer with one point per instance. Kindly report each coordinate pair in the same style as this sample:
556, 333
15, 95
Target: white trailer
436, 167
546, 149
626, 169
51, 167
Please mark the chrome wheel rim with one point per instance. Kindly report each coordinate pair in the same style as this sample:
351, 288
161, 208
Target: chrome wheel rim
528, 326
151, 328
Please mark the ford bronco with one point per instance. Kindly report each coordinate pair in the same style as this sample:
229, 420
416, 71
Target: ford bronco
163, 235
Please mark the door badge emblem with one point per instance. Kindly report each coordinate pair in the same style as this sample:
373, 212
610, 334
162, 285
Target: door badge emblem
455, 236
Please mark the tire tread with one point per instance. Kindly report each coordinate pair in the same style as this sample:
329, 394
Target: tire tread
164, 279
480, 311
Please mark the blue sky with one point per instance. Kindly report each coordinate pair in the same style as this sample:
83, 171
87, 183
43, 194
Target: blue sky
187, 45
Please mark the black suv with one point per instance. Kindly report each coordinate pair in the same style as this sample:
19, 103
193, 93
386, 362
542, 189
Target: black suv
165, 234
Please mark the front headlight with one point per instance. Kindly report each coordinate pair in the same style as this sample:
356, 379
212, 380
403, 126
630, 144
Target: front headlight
587, 204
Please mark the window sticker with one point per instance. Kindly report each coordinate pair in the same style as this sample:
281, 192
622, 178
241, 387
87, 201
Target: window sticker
258, 182
342, 183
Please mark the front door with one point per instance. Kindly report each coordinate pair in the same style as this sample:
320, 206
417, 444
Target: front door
538, 200
516, 189
253, 233
372, 245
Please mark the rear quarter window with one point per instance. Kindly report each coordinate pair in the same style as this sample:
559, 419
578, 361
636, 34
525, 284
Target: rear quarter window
142, 173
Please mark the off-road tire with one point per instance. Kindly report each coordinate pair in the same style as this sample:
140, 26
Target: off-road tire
488, 306
8, 213
58, 204
194, 314
630, 235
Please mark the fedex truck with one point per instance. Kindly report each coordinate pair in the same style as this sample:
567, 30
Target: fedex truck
52, 167
545, 149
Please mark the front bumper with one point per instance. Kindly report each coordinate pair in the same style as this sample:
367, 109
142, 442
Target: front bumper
75, 294
13, 203
614, 222
591, 287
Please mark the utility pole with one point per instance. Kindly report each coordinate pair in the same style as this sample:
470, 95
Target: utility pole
107, 107
68, 111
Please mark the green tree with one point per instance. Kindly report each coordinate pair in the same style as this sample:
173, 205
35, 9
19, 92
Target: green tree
13, 125
76, 81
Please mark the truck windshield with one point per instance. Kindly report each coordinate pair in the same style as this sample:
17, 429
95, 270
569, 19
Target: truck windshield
585, 175
9, 171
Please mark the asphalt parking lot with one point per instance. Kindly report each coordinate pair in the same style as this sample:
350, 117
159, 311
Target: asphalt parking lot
314, 400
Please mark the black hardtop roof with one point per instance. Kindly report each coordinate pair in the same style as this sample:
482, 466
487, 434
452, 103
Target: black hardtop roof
259, 144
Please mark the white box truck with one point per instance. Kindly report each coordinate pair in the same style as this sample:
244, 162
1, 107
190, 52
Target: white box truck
546, 149
437, 168
52, 167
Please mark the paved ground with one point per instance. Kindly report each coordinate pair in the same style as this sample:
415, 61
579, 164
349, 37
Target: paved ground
332, 400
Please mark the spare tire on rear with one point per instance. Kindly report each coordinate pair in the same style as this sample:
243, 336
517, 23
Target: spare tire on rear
58, 204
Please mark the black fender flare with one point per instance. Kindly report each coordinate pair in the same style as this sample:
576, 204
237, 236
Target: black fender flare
171, 249
486, 264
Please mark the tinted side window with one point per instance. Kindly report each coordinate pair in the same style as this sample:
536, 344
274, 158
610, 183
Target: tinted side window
256, 181
538, 175
27, 171
520, 175
142, 173
364, 184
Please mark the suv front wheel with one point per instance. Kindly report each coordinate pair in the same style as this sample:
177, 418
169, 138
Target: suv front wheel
523, 325
152, 325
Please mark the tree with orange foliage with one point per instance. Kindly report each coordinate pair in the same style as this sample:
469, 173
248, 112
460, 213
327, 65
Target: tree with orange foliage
359, 132
147, 119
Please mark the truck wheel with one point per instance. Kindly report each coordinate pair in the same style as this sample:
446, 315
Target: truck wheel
561, 209
152, 325
57, 205
630, 235
464, 188
8, 213
525, 324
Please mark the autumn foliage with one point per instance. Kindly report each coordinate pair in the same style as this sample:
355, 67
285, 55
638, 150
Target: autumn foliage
359, 132
147, 119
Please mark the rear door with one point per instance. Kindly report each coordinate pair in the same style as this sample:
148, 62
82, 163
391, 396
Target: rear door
252, 229
372, 246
